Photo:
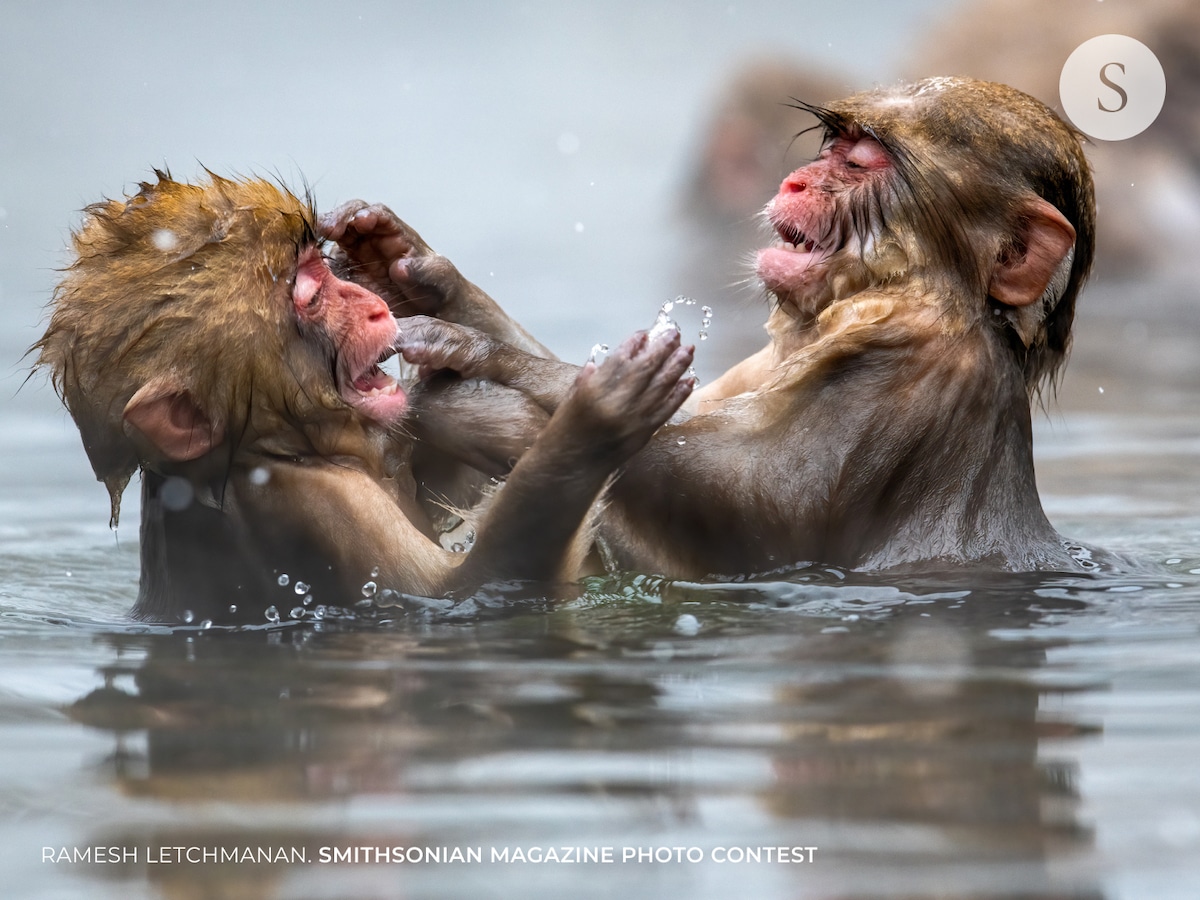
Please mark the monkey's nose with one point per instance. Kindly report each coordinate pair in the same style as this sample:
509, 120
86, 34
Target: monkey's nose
793, 185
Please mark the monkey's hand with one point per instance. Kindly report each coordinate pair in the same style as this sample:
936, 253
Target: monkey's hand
611, 412
616, 406
434, 346
378, 250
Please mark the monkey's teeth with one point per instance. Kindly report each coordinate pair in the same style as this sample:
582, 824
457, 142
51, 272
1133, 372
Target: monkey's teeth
808, 246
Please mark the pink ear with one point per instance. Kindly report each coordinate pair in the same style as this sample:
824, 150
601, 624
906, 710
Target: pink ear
1046, 237
171, 421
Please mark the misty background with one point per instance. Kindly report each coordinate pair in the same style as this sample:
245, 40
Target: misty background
550, 149
542, 146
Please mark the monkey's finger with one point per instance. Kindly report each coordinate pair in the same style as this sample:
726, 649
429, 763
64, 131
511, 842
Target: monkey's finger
332, 225
414, 330
661, 380
629, 348
652, 349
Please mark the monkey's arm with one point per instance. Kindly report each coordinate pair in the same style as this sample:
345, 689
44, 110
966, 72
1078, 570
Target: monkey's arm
435, 345
531, 530
382, 252
490, 415
528, 533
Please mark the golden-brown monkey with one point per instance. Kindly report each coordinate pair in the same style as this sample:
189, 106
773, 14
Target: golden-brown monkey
201, 337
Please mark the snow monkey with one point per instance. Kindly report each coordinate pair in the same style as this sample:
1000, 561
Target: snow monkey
924, 273
201, 337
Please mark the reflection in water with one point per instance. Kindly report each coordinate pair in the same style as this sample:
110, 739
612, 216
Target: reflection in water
894, 727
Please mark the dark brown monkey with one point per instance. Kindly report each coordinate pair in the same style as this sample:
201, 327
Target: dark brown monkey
201, 337
924, 276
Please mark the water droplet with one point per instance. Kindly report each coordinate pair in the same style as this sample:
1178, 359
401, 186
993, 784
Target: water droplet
283, 580
176, 493
364, 604
1102, 390
297, 612
458, 548
259, 476
272, 614
598, 352
301, 587
681, 441
369, 589
188, 616
375, 572
233, 607
206, 624
320, 611
687, 624
164, 239
307, 599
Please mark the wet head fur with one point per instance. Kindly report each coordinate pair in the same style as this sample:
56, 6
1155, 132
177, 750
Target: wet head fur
965, 154
183, 288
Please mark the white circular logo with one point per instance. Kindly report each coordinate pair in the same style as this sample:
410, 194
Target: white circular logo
1112, 87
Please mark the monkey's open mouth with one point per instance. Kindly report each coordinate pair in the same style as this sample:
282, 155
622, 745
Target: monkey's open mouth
376, 393
794, 264
795, 239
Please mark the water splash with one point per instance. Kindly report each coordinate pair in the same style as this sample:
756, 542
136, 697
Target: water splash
599, 351
283, 580
663, 322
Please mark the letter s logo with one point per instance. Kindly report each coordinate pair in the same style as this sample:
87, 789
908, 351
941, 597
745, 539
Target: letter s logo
1112, 87
1104, 79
